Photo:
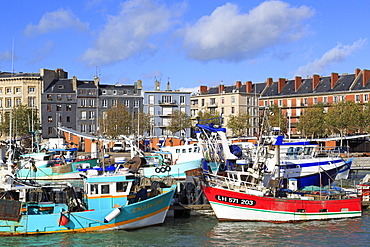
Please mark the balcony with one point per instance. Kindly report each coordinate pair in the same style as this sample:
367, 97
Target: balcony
172, 103
211, 105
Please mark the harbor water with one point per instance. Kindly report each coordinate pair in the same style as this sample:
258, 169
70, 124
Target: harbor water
208, 231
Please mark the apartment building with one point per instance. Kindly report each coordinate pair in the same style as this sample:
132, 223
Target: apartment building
295, 96
161, 104
228, 101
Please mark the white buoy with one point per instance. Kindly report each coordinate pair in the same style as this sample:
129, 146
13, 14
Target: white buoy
112, 215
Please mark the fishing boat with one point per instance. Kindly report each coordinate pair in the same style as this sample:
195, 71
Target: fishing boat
242, 196
302, 161
172, 161
57, 164
106, 202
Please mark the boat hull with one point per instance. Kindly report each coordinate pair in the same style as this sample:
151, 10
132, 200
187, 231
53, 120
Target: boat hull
237, 206
176, 170
137, 215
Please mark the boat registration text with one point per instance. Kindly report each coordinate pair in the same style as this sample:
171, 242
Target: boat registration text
235, 200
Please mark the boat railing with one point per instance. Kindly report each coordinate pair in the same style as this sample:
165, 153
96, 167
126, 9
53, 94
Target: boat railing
232, 183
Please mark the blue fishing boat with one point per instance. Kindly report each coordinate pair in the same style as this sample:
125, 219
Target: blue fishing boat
106, 202
57, 164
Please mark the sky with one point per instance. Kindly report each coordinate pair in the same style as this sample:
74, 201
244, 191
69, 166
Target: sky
187, 43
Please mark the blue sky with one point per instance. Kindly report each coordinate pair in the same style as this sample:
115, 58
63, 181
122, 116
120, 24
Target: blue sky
189, 43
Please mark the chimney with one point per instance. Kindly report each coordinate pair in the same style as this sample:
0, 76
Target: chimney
315, 81
269, 81
357, 72
60, 74
168, 86
281, 84
139, 84
297, 83
74, 83
238, 84
221, 88
365, 77
333, 80
248, 86
203, 89
157, 85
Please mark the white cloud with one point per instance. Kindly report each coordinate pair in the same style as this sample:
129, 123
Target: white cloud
129, 32
6, 56
53, 21
337, 54
193, 90
229, 35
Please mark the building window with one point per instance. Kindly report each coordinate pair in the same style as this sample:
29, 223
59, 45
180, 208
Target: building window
91, 128
151, 110
222, 110
126, 103
31, 90
59, 97
325, 100
182, 100
68, 119
357, 98
114, 102
104, 103
233, 110
48, 107
305, 100
104, 92
232, 100
31, 101
315, 100
202, 102
265, 103
48, 97
366, 97
83, 102
280, 103
68, 107
166, 99
335, 99
151, 99
69, 97
50, 119
83, 128
136, 104
50, 130
83, 115
91, 114
114, 92
8, 90
91, 92
17, 90
91, 102
1, 91
9, 102
212, 101
17, 102
59, 107
1, 103
222, 100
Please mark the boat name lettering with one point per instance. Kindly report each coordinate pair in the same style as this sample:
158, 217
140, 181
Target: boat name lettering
236, 200
146, 206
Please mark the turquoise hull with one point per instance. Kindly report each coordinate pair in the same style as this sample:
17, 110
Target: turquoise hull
42, 218
176, 170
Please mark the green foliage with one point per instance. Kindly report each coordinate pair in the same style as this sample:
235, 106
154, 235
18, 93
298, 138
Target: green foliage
178, 121
276, 119
312, 122
23, 118
116, 121
207, 117
343, 117
239, 124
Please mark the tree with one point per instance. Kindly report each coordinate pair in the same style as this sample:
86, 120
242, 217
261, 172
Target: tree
141, 123
179, 120
312, 122
343, 117
22, 119
207, 117
276, 119
116, 121
239, 124
365, 118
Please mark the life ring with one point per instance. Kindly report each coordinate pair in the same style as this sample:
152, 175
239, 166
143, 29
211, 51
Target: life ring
157, 170
163, 169
168, 168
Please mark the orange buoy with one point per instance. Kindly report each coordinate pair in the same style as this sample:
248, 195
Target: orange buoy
63, 220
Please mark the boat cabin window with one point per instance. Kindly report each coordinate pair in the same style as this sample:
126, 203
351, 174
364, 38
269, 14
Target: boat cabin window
105, 188
177, 151
121, 186
301, 210
184, 150
189, 150
94, 189
323, 210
